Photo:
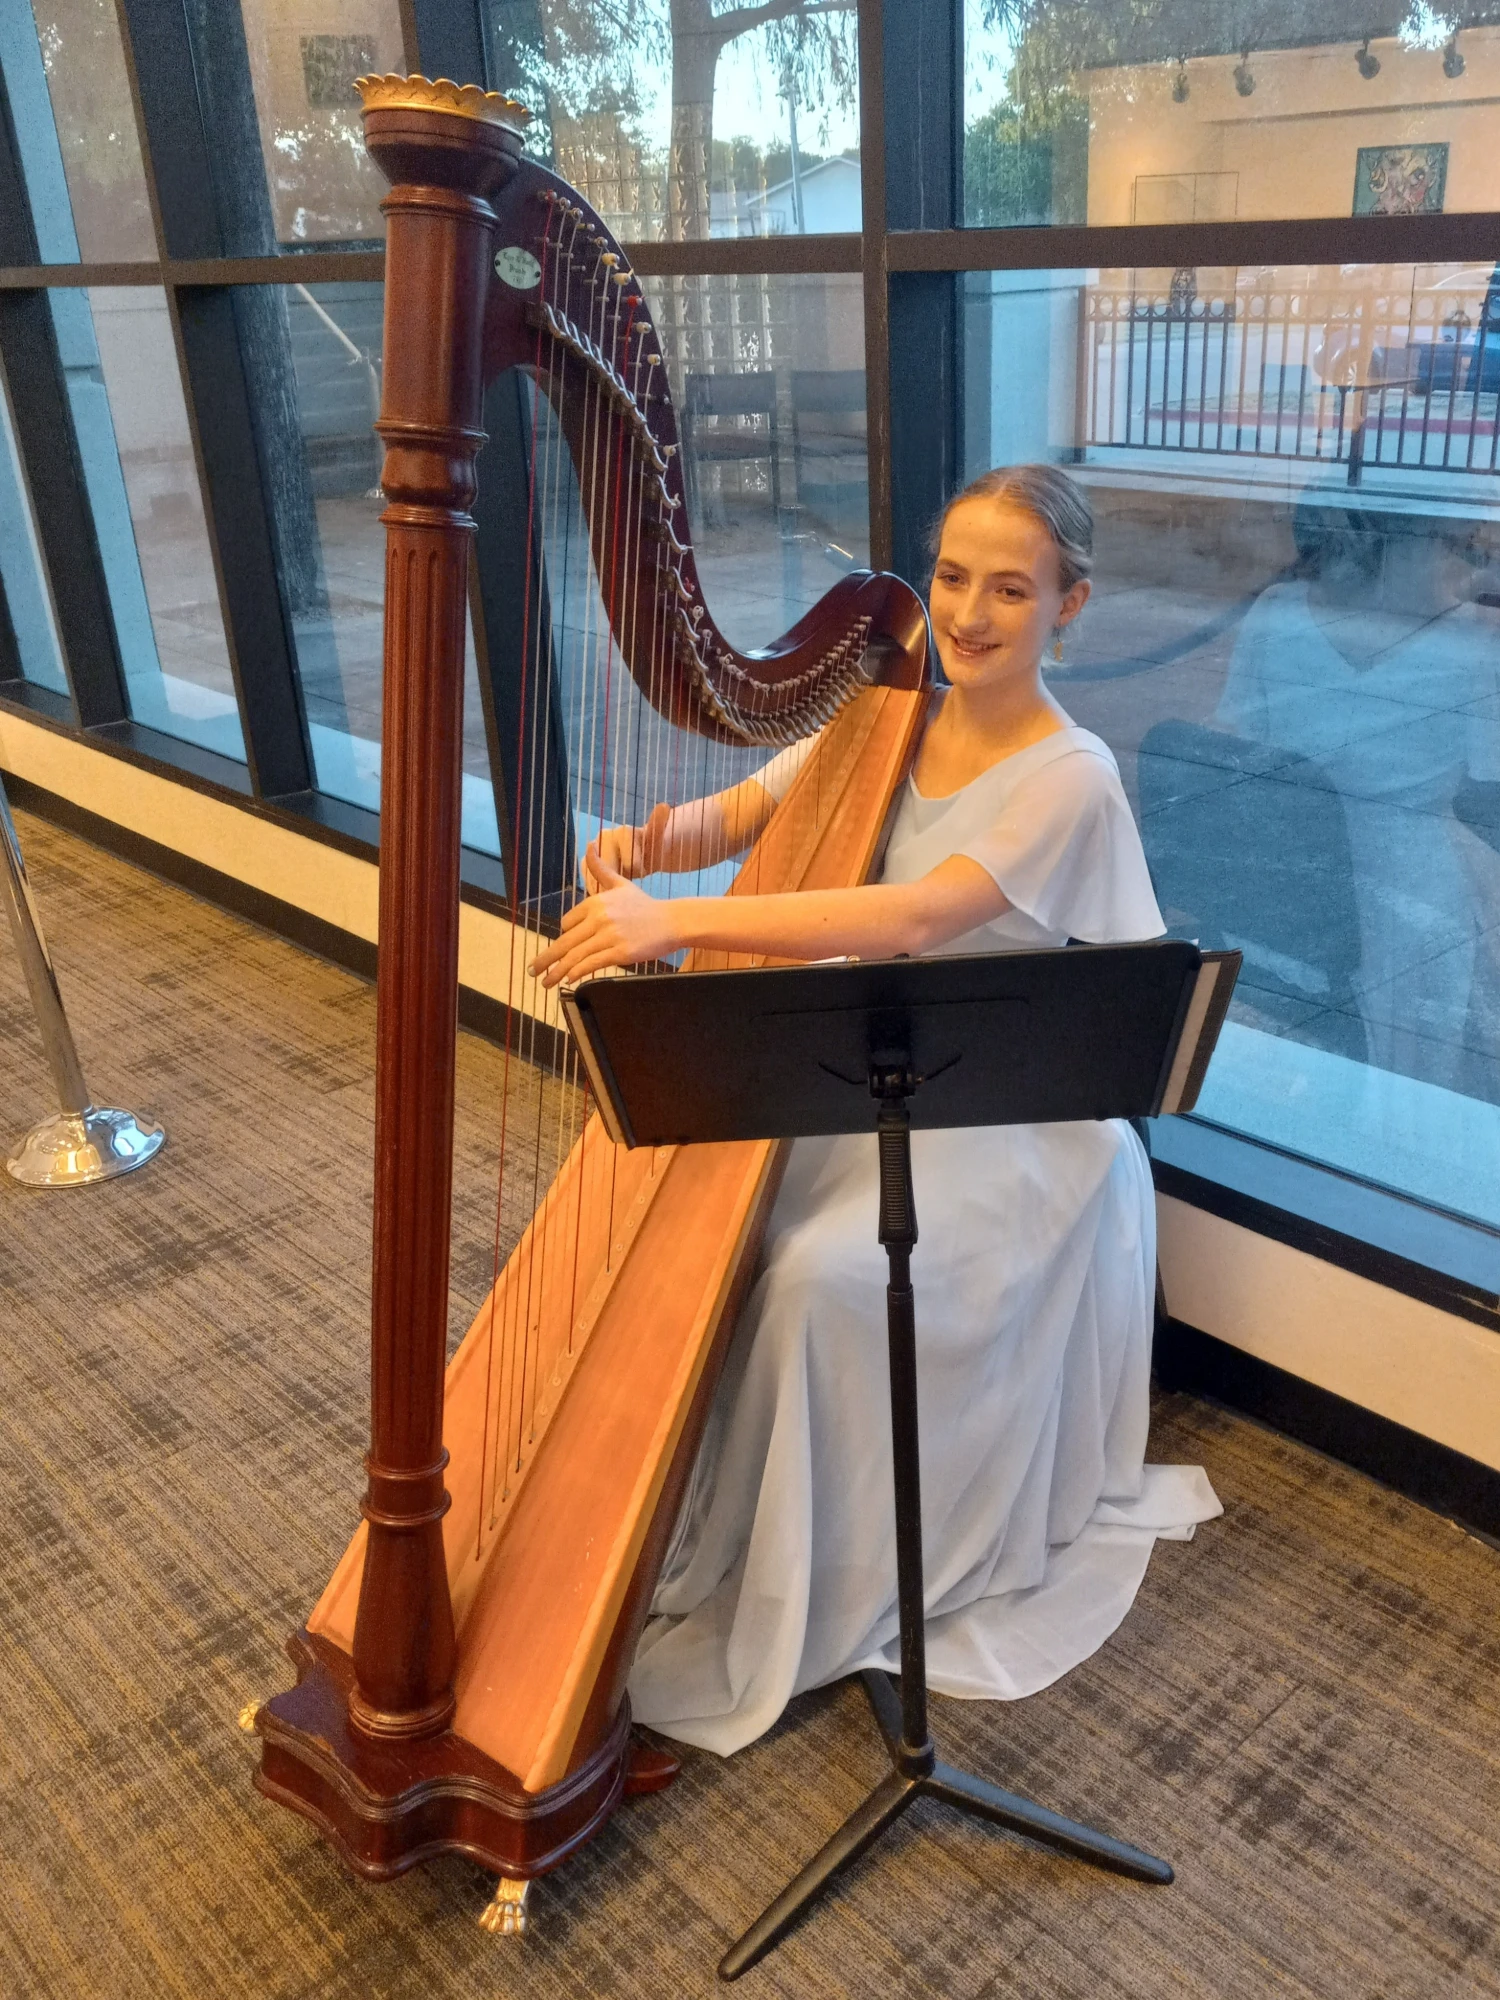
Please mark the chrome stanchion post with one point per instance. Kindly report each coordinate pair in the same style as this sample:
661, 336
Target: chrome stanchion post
82, 1143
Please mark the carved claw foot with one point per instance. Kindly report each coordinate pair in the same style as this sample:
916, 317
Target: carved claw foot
248, 1715
505, 1915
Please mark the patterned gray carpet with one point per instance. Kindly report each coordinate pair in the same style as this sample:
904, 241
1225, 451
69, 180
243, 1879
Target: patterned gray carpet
1301, 1712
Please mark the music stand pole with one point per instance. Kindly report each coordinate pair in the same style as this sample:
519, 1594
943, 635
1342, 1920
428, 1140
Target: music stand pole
998, 1038
917, 1772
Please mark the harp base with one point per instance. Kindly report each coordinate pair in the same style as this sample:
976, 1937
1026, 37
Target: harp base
386, 1806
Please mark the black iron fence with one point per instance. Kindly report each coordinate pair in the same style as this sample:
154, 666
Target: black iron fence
1352, 377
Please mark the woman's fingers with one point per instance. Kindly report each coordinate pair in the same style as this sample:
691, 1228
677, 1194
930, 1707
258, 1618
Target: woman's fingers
582, 967
621, 925
587, 935
603, 852
580, 961
653, 839
613, 856
625, 853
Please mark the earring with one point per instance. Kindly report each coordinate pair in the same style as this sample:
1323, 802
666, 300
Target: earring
1057, 645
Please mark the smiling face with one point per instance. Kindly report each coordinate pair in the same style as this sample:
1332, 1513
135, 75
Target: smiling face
997, 594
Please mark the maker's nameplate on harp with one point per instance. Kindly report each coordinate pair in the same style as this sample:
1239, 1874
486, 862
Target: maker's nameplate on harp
518, 267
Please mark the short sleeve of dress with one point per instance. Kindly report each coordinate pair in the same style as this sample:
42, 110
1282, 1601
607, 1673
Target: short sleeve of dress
1066, 852
776, 777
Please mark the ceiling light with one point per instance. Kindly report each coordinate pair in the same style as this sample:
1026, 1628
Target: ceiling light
1244, 80
1180, 82
1453, 62
1367, 64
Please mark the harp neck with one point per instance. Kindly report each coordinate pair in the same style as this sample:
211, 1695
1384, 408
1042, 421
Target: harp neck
566, 308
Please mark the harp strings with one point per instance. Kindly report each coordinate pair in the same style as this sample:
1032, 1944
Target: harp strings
598, 744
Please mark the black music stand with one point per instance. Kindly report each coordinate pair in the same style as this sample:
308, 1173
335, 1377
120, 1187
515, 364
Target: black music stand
1096, 1031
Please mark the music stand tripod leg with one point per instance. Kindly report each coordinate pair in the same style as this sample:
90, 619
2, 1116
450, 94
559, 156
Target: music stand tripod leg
903, 1719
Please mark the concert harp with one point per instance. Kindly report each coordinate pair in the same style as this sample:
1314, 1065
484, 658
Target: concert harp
461, 1682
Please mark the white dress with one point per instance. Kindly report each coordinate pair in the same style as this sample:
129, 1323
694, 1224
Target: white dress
1034, 1278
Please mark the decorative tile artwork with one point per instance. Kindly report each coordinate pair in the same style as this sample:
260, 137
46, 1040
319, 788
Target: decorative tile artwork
330, 63
1400, 180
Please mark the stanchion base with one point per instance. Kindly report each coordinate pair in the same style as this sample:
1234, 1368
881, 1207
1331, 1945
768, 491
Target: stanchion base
77, 1147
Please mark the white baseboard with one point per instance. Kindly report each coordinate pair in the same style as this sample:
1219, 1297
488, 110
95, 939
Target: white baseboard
336, 887
1428, 1370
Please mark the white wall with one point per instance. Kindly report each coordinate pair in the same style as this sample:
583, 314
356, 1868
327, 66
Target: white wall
1293, 142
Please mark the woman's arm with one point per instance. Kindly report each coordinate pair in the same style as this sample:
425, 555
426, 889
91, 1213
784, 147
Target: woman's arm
622, 925
677, 839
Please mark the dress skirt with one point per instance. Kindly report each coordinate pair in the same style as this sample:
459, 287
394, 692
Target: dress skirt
1034, 1282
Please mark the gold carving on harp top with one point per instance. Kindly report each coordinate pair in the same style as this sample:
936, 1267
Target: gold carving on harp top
420, 93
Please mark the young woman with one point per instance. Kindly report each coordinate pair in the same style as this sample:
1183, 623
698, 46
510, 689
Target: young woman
1035, 1271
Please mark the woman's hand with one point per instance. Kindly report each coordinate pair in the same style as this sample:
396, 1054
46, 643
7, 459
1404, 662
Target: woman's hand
617, 925
633, 851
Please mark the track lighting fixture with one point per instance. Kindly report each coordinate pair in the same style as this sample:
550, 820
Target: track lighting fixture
1244, 78
1367, 64
1180, 82
1453, 62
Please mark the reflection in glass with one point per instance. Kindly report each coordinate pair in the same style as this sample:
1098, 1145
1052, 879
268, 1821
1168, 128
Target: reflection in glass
125, 393
64, 72
318, 360
25, 599
1294, 650
297, 67
1106, 112
1368, 367
690, 122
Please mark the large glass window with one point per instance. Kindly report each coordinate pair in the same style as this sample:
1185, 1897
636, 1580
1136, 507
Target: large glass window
1294, 649
768, 383
70, 107
317, 359
120, 366
276, 86
690, 121
25, 600
1109, 111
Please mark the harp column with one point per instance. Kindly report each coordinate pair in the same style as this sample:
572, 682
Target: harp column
444, 148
